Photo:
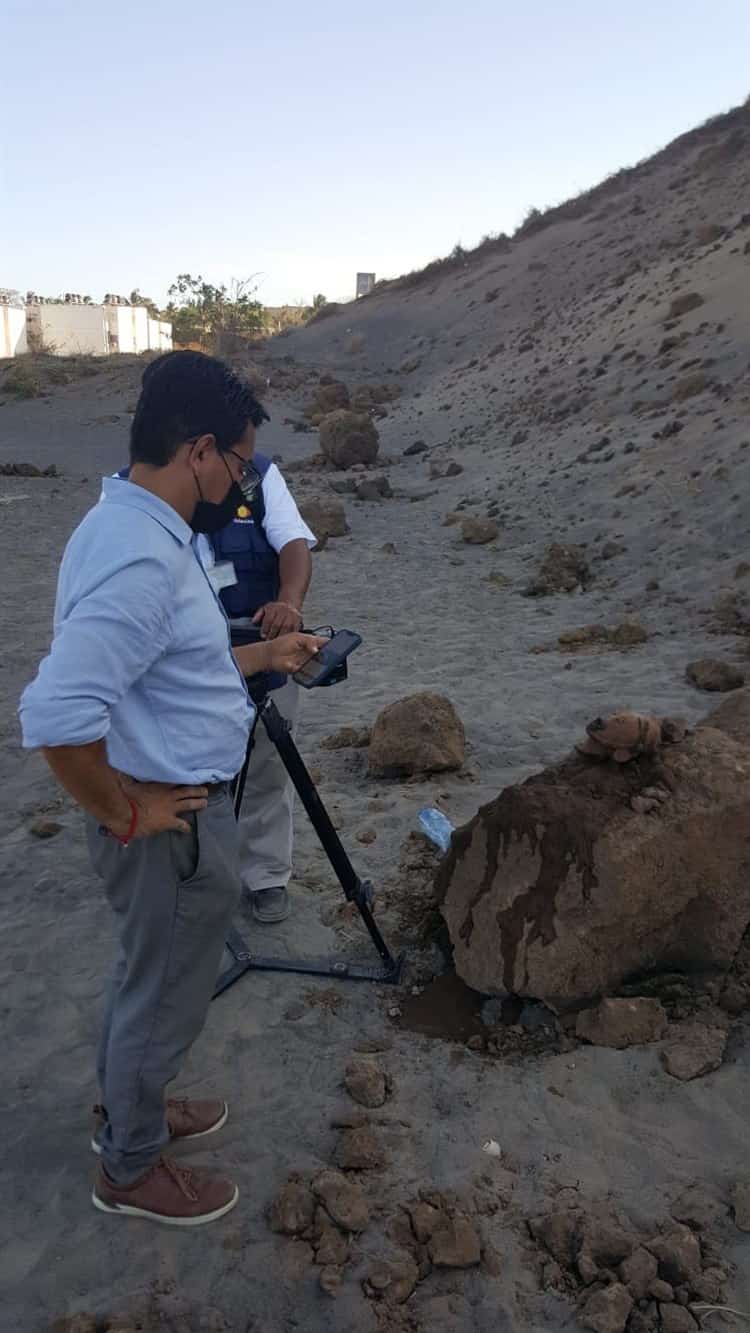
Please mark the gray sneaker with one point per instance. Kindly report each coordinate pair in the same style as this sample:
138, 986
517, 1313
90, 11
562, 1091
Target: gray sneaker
270, 906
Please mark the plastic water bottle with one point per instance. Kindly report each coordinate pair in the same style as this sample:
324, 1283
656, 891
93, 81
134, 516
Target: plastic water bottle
437, 827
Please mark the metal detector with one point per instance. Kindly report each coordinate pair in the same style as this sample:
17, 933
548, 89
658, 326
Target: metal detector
356, 890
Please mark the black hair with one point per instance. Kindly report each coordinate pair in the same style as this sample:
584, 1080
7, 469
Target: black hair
187, 394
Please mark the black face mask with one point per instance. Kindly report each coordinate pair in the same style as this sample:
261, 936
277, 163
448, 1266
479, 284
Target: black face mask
209, 518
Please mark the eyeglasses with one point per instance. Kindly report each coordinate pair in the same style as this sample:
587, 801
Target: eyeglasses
249, 479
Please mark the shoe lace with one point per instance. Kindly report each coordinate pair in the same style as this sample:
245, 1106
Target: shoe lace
182, 1176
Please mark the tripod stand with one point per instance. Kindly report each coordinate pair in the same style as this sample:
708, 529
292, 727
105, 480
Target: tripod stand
355, 890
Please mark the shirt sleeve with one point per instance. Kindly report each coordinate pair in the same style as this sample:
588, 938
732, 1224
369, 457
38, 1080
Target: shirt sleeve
283, 522
108, 639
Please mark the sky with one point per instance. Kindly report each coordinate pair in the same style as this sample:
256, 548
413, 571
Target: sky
303, 142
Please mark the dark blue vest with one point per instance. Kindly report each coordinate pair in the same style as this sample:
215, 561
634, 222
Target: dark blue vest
256, 564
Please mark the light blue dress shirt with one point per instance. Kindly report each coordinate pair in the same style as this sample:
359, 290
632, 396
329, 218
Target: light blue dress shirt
141, 653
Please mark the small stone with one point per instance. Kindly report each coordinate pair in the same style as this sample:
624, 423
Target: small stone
424, 1220
359, 1150
660, 1290
293, 1209
332, 1247
719, 677
622, 1022
366, 1083
330, 1280
607, 1311
392, 1280
455, 1244
638, 1271
676, 1319
492, 1261
479, 531
45, 828
678, 1254
343, 1200
628, 634
698, 1050
418, 447
741, 1204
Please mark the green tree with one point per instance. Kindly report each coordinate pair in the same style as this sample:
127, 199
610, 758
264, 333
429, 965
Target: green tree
151, 306
218, 318
319, 301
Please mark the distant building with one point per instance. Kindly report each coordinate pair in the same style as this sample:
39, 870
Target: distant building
77, 327
12, 323
365, 284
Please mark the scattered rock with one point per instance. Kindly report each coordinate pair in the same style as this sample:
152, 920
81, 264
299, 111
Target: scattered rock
698, 1050
366, 836
583, 636
622, 737
329, 397
293, 1209
419, 734
327, 518
330, 1280
612, 549
676, 1319
45, 828
608, 1310
741, 1204
678, 1254
392, 1280
455, 1243
638, 1272
347, 738
689, 386
622, 1022
347, 438
710, 674
628, 634
682, 305
374, 488
366, 1083
331, 1245
359, 1150
343, 1200
563, 569
27, 470
418, 447
554, 891
425, 1220
479, 531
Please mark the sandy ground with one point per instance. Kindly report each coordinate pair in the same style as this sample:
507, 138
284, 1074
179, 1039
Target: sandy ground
616, 1127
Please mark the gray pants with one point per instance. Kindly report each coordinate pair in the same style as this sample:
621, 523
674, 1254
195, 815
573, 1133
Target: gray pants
173, 896
268, 806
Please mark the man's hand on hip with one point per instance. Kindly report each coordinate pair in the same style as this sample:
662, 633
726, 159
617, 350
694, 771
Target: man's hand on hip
276, 618
161, 807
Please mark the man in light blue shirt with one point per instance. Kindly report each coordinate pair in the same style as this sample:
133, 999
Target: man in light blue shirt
142, 713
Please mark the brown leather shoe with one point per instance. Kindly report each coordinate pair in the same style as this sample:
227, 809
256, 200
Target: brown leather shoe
176, 1195
187, 1118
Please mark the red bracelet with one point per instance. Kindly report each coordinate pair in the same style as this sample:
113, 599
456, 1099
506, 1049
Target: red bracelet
132, 828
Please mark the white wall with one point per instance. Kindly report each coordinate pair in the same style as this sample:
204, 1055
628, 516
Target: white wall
159, 335
153, 335
70, 330
128, 328
12, 331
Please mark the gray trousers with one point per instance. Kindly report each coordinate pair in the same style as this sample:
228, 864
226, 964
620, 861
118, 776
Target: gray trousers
268, 805
173, 896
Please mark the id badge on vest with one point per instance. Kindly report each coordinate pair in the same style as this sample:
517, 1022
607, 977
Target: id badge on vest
222, 575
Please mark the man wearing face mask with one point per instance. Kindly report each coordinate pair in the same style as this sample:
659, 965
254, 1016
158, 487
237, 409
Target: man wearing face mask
142, 714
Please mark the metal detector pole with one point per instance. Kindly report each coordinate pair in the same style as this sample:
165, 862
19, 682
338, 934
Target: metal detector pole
356, 890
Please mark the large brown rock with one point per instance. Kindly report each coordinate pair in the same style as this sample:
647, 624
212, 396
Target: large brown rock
557, 890
732, 716
347, 438
420, 734
327, 518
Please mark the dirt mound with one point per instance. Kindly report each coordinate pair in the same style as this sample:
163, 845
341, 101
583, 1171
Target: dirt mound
421, 734
347, 438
